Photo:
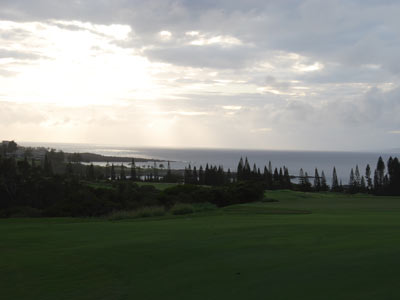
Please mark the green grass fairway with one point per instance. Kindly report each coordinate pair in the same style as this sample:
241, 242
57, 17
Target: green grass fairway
306, 246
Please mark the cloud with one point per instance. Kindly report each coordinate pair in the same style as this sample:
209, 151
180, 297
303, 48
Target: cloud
204, 56
18, 55
321, 74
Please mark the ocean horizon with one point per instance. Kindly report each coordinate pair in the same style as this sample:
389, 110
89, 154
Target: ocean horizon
180, 158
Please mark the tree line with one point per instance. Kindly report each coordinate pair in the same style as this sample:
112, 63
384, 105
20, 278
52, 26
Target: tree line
32, 188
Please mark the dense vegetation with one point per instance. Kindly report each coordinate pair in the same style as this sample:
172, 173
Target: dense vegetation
56, 187
29, 189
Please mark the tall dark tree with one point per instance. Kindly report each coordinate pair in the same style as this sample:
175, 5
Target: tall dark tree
239, 172
276, 178
307, 184
107, 171
357, 178
69, 170
169, 177
393, 167
112, 173
207, 177
301, 177
368, 177
379, 176
195, 178
246, 170
201, 175
155, 172
133, 170
286, 177
228, 176
47, 166
335, 183
122, 174
352, 182
324, 185
317, 181
363, 186
90, 172
254, 172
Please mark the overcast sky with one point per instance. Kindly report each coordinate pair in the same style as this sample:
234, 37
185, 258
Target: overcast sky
318, 75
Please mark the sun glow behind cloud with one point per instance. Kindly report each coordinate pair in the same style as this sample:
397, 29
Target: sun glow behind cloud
80, 65
182, 73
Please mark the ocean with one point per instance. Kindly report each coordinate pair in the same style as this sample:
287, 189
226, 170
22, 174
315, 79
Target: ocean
229, 158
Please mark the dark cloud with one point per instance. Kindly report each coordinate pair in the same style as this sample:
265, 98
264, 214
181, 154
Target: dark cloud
19, 55
356, 42
346, 32
209, 56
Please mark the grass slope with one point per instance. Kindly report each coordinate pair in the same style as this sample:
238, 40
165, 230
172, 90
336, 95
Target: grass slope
348, 247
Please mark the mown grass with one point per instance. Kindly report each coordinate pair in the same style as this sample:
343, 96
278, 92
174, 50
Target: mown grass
345, 247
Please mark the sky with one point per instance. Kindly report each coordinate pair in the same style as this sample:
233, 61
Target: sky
254, 74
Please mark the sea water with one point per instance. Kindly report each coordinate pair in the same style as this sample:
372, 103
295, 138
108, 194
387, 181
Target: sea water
228, 158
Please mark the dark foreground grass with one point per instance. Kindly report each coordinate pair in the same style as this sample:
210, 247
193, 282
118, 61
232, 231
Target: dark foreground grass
337, 251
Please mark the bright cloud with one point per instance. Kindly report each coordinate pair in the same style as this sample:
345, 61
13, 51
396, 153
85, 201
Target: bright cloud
263, 74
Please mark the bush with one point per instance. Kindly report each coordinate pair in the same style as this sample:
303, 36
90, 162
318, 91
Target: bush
206, 206
21, 212
144, 212
182, 209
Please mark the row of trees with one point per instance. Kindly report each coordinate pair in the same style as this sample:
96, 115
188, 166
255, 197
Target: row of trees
385, 181
29, 188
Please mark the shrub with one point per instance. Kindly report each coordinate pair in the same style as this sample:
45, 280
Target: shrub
182, 209
21, 212
144, 212
206, 206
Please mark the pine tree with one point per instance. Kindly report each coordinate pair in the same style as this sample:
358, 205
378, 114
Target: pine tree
207, 175
122, 175
302, 180
155, 172
357, 179
376, 181
90, 172
380, 167
286, 176
228, 176
246, 170
201, 176
368, 177
239, 172
307, 184
69, 169
393, 187
168, 177
48, 168
335, 182
113, 176
107, 171
317, 181
324, 185
276, 178
133, 170
352, 182
363, 187
195, 179
254, 172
